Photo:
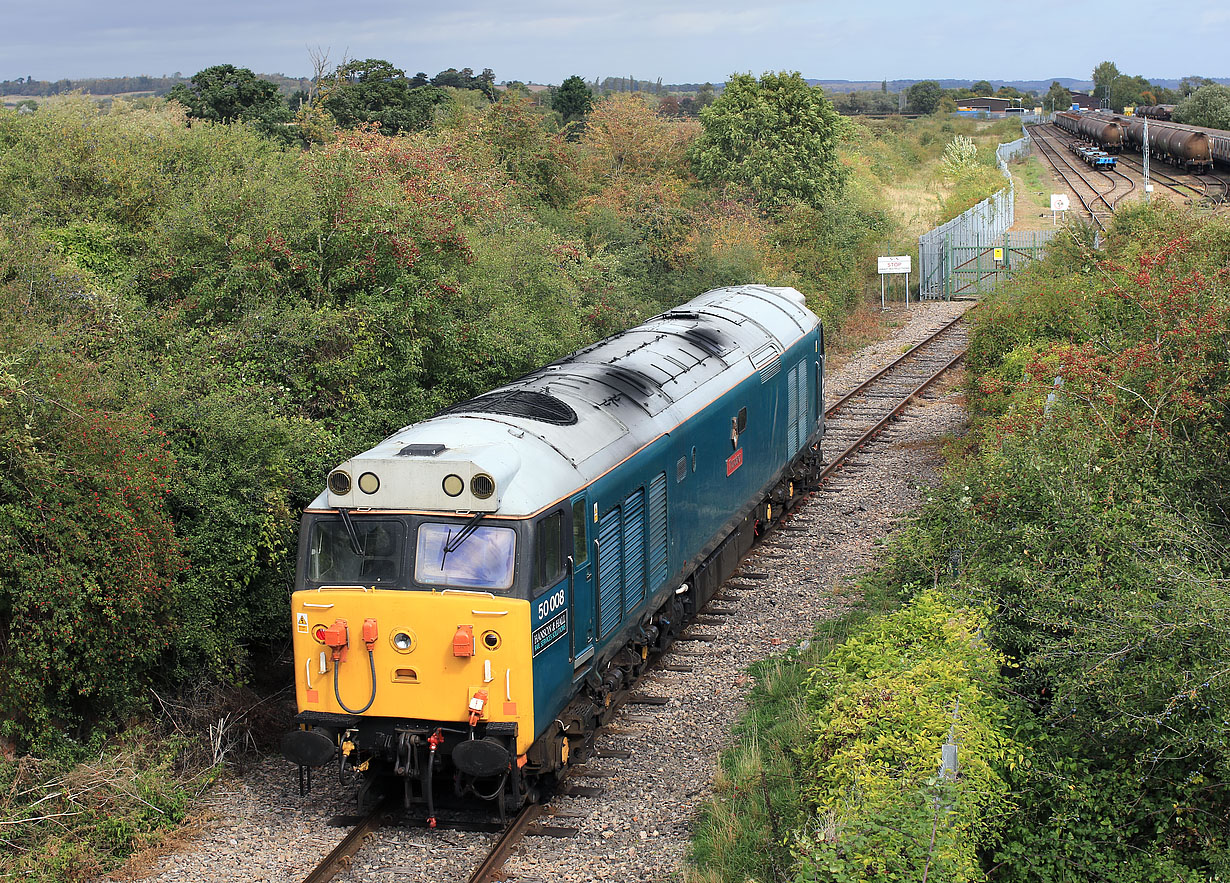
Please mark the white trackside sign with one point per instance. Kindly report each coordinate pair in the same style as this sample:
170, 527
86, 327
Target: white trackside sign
894, 265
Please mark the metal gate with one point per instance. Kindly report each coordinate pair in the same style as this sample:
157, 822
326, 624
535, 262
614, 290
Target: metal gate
978, 267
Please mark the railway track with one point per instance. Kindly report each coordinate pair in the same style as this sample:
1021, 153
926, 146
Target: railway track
852, 422
1212, 189
1187, 186
1209, 188
1052, 144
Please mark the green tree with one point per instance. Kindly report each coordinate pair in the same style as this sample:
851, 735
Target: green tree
1056, 98
777, 136
982, 88
572, 100
1207, 106
924, 97
373, 91
1188, 85
226, 94
1104, 76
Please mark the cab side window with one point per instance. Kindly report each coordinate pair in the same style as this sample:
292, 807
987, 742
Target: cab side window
548, 550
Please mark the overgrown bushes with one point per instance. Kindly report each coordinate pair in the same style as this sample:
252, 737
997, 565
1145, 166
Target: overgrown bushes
884, 703
1089, 515
1085, 515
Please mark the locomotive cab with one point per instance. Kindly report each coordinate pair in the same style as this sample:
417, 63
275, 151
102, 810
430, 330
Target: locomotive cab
412, 629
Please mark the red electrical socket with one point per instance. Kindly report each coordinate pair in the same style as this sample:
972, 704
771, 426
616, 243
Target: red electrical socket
370, 633
336, 637
463, 641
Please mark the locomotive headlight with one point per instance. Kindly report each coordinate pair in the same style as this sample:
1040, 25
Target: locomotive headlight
453, 485
369, 483
491, 640
403, 640
482, 486
339, 482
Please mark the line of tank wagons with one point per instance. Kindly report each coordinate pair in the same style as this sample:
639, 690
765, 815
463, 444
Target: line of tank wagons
1189, 149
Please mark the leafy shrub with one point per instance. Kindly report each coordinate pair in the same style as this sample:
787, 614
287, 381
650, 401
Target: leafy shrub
885, 702
1090, 518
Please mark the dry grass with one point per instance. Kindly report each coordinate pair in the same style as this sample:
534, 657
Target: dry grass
866, 325
142, 862
915, 204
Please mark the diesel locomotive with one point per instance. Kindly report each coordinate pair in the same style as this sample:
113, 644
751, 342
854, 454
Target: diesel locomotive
473, 591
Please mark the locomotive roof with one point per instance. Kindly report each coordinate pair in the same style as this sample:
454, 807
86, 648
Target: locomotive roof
563, 425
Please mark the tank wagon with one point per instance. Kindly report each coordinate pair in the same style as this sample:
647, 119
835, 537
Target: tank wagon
1105, 133
471, 591
1186, 148
1219, 139
1156, 111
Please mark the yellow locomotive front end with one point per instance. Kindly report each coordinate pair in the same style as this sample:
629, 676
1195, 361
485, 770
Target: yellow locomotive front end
412, 655
433, 654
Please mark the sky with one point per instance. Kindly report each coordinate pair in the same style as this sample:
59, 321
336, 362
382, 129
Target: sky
681, 41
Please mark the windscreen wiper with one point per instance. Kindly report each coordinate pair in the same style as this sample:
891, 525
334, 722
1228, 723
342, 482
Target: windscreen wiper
355, 545
453, 543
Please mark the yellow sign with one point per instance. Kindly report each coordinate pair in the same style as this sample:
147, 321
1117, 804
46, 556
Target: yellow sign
999, 254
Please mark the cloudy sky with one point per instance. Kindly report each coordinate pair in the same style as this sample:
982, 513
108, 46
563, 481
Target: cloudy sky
544, 41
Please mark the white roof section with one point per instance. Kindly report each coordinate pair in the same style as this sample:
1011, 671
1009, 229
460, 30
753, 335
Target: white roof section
557, 429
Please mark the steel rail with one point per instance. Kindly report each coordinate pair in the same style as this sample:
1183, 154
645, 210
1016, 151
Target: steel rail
875, 430
1166, 180
494, 862
339, 859
912, 351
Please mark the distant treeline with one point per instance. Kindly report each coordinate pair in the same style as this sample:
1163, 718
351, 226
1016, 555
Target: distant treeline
90, 85
122, 85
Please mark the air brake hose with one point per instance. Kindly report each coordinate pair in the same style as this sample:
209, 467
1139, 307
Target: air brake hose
337, 693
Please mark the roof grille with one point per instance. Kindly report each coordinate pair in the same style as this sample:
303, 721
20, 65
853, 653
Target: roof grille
519, 403
707, 340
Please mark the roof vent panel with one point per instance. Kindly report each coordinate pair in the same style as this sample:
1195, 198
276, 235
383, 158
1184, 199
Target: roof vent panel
519, 403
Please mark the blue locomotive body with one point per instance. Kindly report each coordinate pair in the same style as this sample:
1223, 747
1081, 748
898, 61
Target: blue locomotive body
515, 560
654, 522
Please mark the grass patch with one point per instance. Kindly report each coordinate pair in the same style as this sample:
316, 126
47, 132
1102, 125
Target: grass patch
743, 833
124, 801
74, 821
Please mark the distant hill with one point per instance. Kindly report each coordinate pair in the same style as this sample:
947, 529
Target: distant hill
1038, 86
902, 85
